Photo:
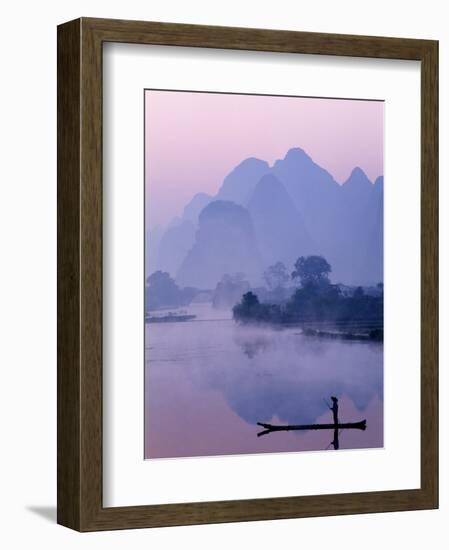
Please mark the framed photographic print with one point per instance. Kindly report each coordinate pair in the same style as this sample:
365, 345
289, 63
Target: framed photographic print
247, 274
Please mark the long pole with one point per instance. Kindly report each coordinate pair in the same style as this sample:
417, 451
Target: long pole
336, 425
340, 426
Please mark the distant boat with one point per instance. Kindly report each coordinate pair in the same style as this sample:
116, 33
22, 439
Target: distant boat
169, 318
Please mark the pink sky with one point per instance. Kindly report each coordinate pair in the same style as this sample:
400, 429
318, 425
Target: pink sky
193, 140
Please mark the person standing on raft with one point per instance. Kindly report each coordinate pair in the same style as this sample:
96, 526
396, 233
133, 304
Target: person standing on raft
334, 409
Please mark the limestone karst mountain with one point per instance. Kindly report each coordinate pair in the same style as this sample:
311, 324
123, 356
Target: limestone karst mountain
264, 214
174, 245
225, 242
193, 209
279, 228
240, 183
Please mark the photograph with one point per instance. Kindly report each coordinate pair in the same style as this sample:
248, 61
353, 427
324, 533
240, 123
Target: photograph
264, 273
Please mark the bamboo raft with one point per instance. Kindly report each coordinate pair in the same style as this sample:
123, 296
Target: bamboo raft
336, 426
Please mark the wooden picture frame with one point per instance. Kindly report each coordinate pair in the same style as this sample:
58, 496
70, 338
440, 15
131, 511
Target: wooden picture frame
80, 503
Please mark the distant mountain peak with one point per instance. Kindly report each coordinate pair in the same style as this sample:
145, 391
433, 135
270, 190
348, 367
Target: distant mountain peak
299, 164
193, 208
357, 171
252, 161
296, 153
239, 184
379, 181
295, 157
357, 178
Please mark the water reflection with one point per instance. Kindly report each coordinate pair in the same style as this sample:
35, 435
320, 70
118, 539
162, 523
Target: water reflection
252, 347
293, 374
220, 376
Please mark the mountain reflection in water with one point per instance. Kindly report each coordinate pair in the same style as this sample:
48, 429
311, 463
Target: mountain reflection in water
209, 381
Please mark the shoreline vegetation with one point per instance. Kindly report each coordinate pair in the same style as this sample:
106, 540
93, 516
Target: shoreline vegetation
306, 299
320, 308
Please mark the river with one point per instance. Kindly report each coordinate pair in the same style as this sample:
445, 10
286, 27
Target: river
209, 381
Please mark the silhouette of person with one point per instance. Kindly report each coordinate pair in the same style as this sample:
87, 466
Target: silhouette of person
336, 443
334, 409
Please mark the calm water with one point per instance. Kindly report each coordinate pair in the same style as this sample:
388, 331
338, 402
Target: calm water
209, 381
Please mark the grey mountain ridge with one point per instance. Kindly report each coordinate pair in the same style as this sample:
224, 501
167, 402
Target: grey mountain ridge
224, 243
279, 228
193, 209
264, 214
240, 183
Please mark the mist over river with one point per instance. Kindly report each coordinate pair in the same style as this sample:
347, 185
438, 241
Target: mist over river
208, 381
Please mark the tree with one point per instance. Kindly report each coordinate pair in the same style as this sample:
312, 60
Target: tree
250, 300
312, 271
251, 310
162, 291
161, 280
248, 308
359, 292
229, 290
276, 276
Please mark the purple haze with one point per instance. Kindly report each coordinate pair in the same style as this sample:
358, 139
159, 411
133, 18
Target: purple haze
193, 140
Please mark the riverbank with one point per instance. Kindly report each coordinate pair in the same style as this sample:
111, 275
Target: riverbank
374, 335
